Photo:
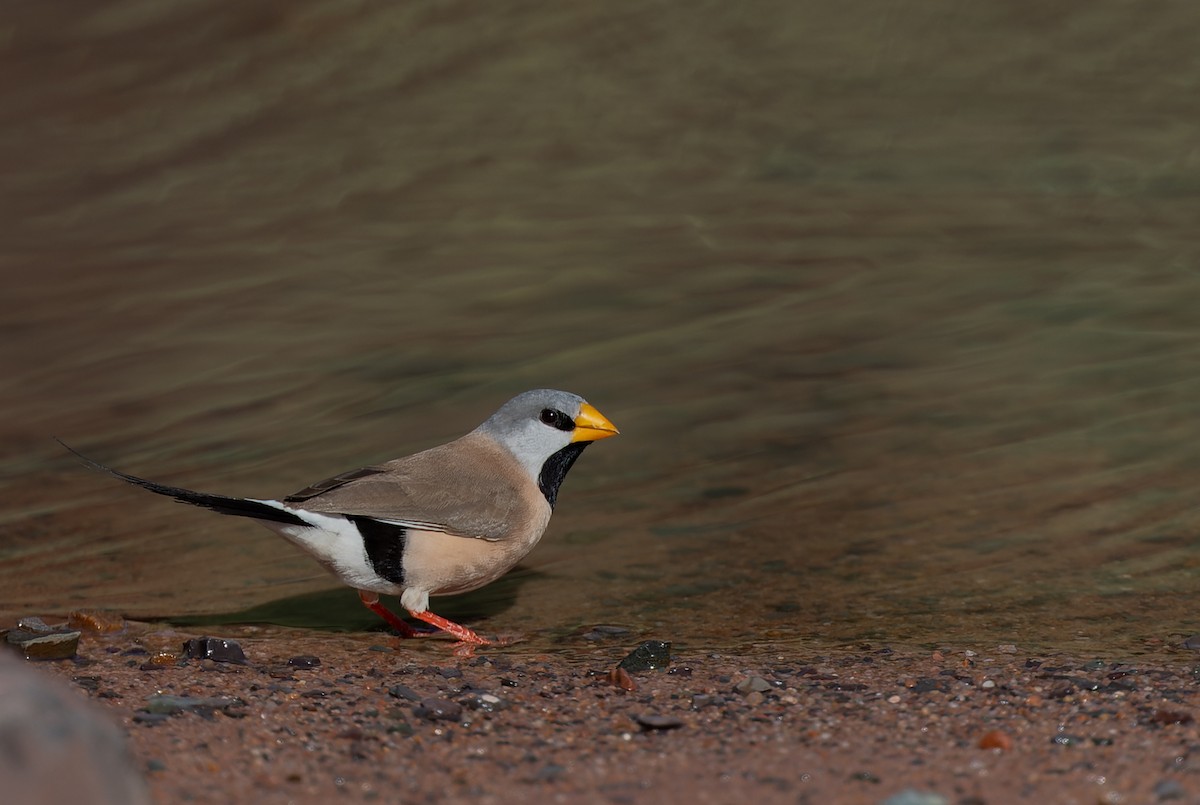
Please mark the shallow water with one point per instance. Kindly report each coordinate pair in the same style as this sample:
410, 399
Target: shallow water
896, 311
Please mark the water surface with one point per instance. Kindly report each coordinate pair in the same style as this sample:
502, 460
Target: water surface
896, 308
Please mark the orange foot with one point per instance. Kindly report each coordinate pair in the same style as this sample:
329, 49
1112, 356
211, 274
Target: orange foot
398, 624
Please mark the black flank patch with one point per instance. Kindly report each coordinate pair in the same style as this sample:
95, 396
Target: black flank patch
555, 469
384, 544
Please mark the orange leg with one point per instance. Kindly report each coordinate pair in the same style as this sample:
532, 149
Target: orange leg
371, 602
453, 629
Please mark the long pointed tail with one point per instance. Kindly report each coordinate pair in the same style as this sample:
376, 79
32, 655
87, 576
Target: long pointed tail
237, 507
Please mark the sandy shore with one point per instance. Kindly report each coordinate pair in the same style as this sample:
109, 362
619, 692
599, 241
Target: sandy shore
374, 719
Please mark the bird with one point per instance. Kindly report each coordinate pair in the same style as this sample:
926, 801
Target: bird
443, 521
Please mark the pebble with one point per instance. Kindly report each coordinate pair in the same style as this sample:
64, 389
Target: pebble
753, 684
654, 722
438, 710
404, 692
36, 645
910, 796
621, 679
168, 705
1169, 789
488, 703
304, 662
649, 656
93, 620
216, 649
1192, 642
995, 739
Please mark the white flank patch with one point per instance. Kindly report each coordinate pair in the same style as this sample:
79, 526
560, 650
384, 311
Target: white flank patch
336, 543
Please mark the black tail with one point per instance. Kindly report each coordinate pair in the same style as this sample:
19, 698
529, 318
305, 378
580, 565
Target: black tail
218, 503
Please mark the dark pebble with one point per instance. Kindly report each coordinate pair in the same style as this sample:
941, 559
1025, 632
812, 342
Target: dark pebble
168, 705
438, 710
217, 649
701, 700
87, 682
450, 672
1169, 789
404, 692
1192, 642
150, 719
155, 765
551, 771
1172, 717
42, 645
648, 722
928, 684
1063, 739
136, 651
649, 656
304, 661
508, 683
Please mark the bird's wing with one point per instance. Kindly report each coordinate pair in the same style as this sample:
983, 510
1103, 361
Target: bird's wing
467, 490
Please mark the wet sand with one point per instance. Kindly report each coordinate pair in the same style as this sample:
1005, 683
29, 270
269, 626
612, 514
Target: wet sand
895, 309
382, 721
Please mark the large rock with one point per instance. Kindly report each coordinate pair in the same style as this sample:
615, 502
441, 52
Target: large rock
56, 748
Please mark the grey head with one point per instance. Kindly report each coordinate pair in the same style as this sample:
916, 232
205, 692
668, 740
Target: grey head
546, 430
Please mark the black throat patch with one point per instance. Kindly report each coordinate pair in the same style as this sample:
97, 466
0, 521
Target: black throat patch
555, 469
384, 544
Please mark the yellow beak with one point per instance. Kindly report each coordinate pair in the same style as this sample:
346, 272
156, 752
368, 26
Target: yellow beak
591, 425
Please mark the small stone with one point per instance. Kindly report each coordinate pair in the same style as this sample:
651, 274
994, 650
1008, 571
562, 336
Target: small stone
753, 684
649, 656
1162, 716
44, 646
488, 703
438, 710
551, 771
700, 700
754, 698
150, 719
155, 765
987, 684
653, 722
1192, 642
94, 620
995, 739
620, 678
216, 649
1063, 739
1169, 789
450, 672
910, 796
35, 624
304, 662
404, 692
169, 705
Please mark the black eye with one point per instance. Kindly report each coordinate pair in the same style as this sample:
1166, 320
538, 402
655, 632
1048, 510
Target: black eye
556, 419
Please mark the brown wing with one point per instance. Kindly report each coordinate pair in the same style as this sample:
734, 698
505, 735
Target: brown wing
468, 488
321, 487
